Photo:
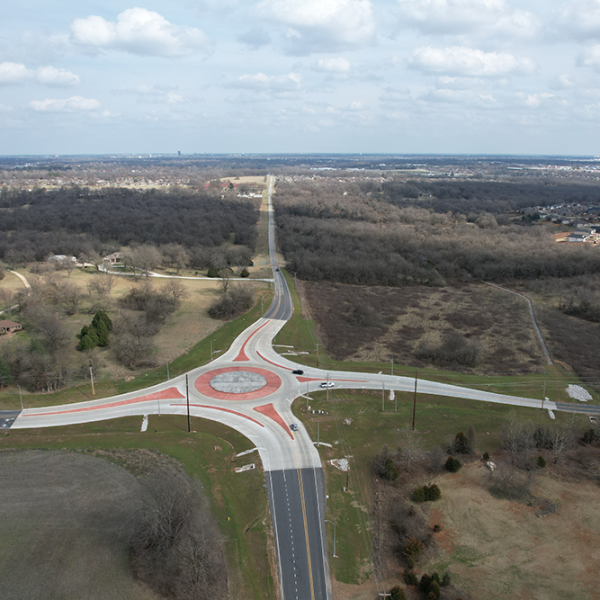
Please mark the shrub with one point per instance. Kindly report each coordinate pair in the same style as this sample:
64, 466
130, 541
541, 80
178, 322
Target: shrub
410, 577
453, 465
437, 528
389, 472
212, 272
427, 493
540, 462
425, 583
461, 444
486, 456
245, 273
445, 579
412, 551
397, 593
591, 436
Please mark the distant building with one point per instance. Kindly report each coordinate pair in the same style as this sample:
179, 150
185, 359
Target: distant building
60, 258
9, 327
578, 237
115, 257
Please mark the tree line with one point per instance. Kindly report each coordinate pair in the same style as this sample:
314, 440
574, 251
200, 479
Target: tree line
75, 220
337, 232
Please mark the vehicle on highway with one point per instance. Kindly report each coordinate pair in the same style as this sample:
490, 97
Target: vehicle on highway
298, 372
294, 427
328, 384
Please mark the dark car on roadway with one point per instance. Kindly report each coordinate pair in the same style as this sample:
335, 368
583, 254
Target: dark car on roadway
294, 427
298, 372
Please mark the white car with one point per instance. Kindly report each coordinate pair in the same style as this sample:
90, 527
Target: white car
328, 384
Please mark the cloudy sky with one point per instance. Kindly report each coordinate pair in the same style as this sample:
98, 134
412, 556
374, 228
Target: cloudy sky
407, 76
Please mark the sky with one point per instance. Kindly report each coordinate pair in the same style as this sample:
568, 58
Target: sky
274, 76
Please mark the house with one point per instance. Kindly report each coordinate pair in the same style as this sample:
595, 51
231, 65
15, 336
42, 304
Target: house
9, 327
115, 257
578, 236
60, 258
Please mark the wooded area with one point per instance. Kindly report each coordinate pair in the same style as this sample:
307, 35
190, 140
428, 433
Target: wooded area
75, 221
389, 234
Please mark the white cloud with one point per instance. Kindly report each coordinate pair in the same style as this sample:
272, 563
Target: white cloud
53, 76
460, 60
321, 25
255, 38
338, 65
562, 81
579, 18
139, 31
590, 57
535, 100
13, 73
72, 104
155, 94
356, 106
263, 82
467, 16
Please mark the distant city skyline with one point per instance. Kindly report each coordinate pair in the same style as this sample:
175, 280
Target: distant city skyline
319, 76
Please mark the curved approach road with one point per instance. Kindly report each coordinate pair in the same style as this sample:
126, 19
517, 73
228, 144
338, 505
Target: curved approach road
251, 388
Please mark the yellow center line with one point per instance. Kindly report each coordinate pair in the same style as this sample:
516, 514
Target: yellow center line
301, 486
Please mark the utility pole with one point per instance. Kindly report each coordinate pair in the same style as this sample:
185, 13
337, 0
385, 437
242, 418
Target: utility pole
21, 396
92, 378
383, 397
168, 370
543, 395
187, 395
262, 310
211, 352
328, 388
318, 363
334, 528
318, 433
392, 364
415, 401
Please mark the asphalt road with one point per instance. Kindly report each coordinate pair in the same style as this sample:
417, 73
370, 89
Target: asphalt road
296, 497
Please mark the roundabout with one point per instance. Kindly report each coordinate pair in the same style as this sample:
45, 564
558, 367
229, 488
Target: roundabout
238, 383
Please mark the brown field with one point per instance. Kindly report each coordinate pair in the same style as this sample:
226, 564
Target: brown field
11, 282
499, 549
498, 320
181, 331
64, 527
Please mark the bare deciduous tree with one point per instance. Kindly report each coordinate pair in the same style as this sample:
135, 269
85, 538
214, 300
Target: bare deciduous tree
176, 545
7, 300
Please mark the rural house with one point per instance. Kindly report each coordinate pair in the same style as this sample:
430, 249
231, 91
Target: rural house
9, 327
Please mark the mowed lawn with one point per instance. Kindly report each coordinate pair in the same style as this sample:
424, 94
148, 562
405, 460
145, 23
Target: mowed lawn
65, 544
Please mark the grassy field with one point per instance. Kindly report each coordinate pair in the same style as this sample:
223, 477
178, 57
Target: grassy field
499, 549
303, 334
354, 425
198, 355
239, 501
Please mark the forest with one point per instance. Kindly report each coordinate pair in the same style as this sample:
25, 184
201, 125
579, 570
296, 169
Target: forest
75, 221
371, 234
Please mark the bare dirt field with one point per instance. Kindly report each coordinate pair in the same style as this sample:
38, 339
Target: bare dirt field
64, 527
497, 549
402, 318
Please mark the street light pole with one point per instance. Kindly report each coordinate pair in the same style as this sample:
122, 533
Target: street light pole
21, 396
415, 401
334, 528
168, 370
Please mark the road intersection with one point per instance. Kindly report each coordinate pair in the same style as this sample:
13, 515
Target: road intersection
251, 388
